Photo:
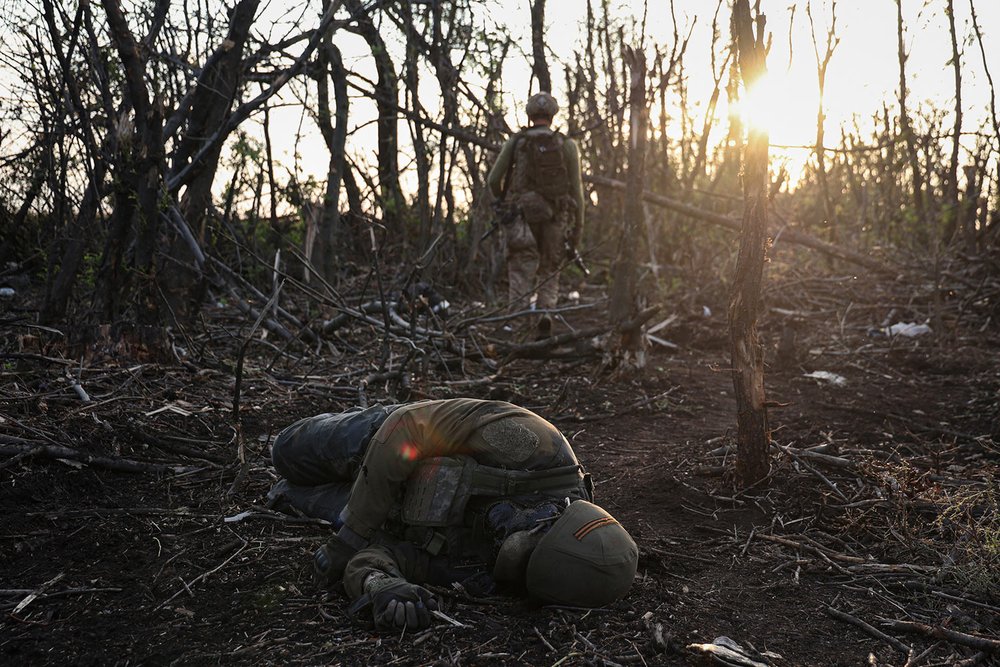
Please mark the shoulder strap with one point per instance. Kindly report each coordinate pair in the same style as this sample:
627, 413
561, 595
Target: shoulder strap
505, 186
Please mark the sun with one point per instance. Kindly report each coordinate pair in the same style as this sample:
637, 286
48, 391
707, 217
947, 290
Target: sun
785, 104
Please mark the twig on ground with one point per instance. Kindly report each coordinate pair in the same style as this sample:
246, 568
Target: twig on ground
954, 636
60, 452
869, 629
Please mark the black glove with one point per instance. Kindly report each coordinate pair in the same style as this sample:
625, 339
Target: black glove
330, 561
393, 602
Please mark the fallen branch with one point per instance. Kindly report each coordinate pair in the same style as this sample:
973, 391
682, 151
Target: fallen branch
809, 547
539, 346
31, 597
108, 463
811, 454
954, 636
56, 594
869, 629
790, 235
815, 472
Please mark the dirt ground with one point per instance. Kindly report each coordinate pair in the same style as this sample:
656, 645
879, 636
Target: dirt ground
187, 566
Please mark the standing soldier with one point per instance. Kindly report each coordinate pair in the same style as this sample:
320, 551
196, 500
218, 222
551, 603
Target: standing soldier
538, 171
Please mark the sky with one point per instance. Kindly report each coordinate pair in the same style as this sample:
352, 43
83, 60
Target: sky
862, 75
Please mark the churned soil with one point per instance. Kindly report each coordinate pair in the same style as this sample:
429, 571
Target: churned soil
189, 566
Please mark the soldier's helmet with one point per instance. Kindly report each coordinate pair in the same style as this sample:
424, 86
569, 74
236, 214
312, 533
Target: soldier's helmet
587, 559
541, 104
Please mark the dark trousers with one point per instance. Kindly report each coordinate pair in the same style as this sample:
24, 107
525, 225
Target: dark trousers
319, 457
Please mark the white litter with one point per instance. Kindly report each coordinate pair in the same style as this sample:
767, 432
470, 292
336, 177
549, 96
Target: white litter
7, 292
236, 518
706, 311
832, 378
908, 329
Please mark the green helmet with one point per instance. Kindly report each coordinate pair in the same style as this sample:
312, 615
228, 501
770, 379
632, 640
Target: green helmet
541, 104
585, 560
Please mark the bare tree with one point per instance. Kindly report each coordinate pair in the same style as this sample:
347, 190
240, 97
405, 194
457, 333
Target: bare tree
138, 186
212, 100
951, 180
624, 296
753, 438
718, 73
916, 178
539, 66
822, 63
386, 99
986, 69
335, 136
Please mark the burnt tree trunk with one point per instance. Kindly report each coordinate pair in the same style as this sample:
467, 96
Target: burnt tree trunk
916, 178
951, 187
539, 66
753, 439
335, 136
421, 154
822, 64
447, 76
81, 232
184, 285
624, 298
140, 183
386, 102
210, 109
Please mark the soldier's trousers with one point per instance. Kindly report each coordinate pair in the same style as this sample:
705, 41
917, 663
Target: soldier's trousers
534, 255
319, 457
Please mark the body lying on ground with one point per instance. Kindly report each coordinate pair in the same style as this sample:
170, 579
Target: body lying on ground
483, 493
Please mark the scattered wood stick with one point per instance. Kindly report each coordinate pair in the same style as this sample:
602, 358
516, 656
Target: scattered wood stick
55, 594
108, 463
954, 636
809, 547
31, 597
915, 660
544, 641
27, 453
815, 472
892, 568
448, 619
187, 587
810, 454
869, 629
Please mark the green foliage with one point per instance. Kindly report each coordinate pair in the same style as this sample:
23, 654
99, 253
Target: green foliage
246, 148
89, 269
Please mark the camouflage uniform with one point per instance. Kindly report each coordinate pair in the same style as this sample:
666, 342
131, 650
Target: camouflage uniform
535, 240
383, 448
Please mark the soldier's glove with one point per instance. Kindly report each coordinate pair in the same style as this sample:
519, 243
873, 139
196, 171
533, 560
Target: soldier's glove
393, 603
330, 561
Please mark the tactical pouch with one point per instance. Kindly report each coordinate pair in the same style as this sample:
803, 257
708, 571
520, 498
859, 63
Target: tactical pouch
535, 209
540, 165
437, 491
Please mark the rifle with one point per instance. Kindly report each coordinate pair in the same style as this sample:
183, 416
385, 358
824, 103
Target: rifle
504, 214
573, 255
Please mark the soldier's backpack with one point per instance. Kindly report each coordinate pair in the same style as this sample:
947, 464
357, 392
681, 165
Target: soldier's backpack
539, 165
